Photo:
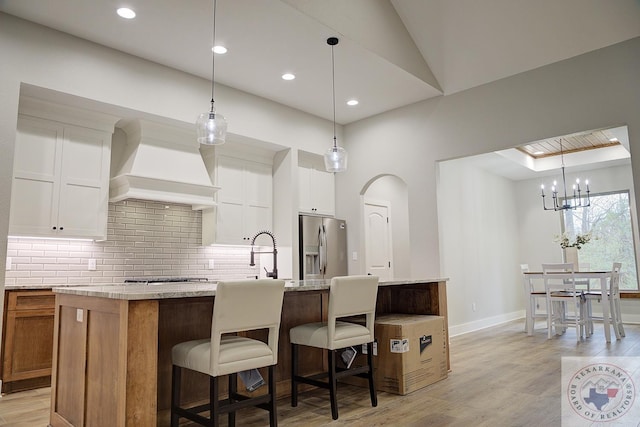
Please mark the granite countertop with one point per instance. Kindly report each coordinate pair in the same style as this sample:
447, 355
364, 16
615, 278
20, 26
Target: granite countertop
200, 289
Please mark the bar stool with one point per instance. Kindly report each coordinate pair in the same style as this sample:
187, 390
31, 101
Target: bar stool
348, 296
238, 306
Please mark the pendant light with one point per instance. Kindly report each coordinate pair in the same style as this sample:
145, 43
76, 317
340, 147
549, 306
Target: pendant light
211, 127
335, 159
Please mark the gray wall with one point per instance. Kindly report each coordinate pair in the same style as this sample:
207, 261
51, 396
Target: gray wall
581, 93
596, 90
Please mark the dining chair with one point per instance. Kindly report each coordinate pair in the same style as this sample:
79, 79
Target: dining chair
348, 296
613, 296
238, 306
566, 303
535, 297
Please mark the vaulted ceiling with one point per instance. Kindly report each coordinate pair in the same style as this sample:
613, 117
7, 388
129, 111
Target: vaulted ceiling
391, 52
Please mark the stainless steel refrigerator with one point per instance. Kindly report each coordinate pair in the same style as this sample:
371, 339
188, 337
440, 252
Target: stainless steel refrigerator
323, 247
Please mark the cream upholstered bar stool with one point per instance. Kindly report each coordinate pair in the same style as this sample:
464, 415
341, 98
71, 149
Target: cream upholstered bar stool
238, 306
348, 296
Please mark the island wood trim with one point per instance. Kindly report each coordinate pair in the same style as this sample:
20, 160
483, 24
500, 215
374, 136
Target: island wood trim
104, 362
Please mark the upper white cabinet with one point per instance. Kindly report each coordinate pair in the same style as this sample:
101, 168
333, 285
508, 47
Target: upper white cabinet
244, 201
60, 175
316, 188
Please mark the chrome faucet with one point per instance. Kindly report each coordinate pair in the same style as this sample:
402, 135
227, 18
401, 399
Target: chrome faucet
273, 274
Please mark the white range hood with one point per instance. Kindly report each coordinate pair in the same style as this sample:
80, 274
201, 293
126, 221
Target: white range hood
161, 163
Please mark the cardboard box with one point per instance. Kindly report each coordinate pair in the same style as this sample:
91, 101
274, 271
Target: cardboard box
412, 352
409, 353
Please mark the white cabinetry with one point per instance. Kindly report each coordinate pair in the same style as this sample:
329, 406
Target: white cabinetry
60, 178
244, 201
316, 192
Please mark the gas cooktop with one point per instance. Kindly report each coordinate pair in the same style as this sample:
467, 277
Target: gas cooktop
160, 280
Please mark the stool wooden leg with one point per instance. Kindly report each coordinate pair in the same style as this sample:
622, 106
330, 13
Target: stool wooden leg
372, 388
294, 373
233, 390
175, 394
333, 384
214, 406
273, 415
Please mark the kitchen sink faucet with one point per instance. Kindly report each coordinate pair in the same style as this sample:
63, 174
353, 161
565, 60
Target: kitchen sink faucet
273, 274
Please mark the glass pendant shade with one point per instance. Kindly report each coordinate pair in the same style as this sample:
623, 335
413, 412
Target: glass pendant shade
335, 159
211, 128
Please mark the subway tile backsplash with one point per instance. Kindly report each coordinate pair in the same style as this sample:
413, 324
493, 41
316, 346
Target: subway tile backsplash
144, 239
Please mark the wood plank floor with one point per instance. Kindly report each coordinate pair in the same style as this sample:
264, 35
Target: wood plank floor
500, 377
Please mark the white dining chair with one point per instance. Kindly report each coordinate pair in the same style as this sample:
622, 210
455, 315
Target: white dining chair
614, 298
566, 304
535, 298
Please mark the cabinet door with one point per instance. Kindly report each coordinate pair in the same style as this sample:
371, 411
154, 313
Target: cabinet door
305, 194
230, 210
230, 224
29, 344
258, 197
316, 193
36, 177
83, 183
28, 339
324, 192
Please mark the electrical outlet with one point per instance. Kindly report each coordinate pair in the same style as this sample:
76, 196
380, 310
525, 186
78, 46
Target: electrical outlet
8, 263
211, 264
91, 264
473, 306
354, 255
79, 315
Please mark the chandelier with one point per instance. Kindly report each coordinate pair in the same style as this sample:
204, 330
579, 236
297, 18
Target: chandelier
577, 200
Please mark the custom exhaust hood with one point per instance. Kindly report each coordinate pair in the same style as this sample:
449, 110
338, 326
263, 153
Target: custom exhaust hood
161, 163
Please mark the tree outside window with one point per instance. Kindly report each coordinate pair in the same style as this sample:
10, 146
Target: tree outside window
609, 221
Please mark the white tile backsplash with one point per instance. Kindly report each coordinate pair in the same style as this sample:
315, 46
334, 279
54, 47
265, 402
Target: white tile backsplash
144, 239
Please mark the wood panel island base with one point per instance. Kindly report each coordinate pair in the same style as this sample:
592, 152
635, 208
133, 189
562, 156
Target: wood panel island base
112, 344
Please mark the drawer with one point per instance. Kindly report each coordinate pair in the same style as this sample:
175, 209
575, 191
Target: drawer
30, 300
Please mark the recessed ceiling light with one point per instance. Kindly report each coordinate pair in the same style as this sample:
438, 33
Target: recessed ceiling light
614, 139
125, 12
221, 50
288, 76
352, 102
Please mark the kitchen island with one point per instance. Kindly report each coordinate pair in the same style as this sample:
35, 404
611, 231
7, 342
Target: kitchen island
112, 344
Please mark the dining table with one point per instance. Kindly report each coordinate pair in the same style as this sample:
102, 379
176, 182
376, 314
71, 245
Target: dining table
602, 277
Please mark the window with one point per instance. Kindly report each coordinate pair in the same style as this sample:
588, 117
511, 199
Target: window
609, 221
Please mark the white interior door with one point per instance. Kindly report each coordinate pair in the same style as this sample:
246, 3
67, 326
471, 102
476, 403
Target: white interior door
378, 244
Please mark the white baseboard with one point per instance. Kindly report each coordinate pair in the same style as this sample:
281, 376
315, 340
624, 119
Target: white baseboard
487, 322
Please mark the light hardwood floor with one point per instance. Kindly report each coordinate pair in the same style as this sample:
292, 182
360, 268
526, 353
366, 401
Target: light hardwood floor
500, 377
